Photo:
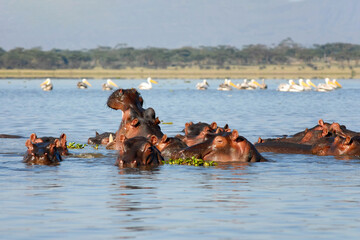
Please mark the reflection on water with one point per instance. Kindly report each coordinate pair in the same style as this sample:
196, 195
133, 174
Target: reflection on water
86, 196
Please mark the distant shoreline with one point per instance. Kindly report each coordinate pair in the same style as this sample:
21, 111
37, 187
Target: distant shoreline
257, 72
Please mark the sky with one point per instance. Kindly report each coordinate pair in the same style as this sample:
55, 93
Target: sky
86, 24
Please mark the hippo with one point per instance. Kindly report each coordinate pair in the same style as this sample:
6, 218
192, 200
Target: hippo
196, 133
283, 147
170, 146
60, 144
138, 152
341, 130
101, 139
136, 120
42, 153
10, 136
308, 136
348, 146
224, 147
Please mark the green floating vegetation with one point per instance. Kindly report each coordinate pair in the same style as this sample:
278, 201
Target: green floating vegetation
74, 145
193, 161
169, 123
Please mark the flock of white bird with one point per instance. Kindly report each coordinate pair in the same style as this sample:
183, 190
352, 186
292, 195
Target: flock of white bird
227, 85
107, 86
291, 86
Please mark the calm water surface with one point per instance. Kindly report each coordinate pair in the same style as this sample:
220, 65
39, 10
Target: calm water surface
87, 197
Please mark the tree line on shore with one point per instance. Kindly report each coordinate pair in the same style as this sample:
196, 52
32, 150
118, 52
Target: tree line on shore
221, 57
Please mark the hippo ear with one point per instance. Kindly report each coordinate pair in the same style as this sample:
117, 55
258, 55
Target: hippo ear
205, 131
187, 125
33, 137
348, 140
234, 135
29, 145
157, 121
324, 132
153, 140
164, 138
260, 140
134, 122
321, 122
96, 134
62, 140
213, 125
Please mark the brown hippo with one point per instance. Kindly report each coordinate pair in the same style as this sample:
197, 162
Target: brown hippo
308, 136
224, 147
196, 132
103, 138
42, 153
137, 151
348, 146
341, 130
170, 146
9, 136
136, 120
60, 144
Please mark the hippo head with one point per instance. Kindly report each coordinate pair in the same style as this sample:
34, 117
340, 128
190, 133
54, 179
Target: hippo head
169, 146
138, 151
349, 146
60, 144
43, 153
103, 138
123, 99
230, 147
339, 146
196, 133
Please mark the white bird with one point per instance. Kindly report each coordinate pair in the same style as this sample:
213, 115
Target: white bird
325, 87
46, 85
243, 85
254, 84
336, 83
304, 85
263, 85
108, 85
147, 85
202, 85
226, 85
290, 87
310, 83
83, 84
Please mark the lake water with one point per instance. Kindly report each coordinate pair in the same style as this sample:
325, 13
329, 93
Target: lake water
87, 197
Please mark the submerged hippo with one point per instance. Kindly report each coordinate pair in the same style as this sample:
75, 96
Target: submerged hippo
308, 136
42, 153
170, 146
102, 139
224, 147
348, 146
60, 143
196, 132
138, 151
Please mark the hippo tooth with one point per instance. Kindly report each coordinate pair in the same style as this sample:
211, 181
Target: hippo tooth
111, 139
